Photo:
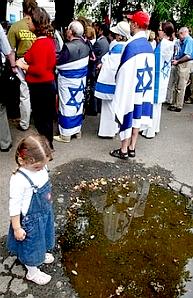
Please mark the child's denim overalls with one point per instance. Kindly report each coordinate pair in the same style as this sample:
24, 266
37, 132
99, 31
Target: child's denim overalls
38, 224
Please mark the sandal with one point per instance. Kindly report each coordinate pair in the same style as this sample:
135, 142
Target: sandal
49, 258
40, 278
131, 153
119, 154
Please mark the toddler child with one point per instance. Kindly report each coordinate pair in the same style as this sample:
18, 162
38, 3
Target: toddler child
31, 233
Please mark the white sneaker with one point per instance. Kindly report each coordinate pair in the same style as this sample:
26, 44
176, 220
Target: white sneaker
63, 139
49, 258
40, 278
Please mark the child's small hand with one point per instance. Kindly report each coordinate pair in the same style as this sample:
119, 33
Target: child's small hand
19, 234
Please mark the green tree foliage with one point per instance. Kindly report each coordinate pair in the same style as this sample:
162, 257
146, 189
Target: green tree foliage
180, 12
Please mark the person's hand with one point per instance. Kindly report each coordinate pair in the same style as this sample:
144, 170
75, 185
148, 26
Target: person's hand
99, 66
174, 62
19, 234
22, 64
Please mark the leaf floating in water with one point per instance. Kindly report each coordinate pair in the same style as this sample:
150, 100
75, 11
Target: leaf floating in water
103, 182
176, 261
157, 287
181, 222
120, 196
74, 272
119, 290
76, 187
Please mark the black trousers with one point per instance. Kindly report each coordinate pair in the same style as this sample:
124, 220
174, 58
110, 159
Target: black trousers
43, 97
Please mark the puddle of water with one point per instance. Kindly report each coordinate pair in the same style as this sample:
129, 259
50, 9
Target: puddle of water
128, 239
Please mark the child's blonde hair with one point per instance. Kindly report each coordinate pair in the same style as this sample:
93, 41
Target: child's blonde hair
32, 149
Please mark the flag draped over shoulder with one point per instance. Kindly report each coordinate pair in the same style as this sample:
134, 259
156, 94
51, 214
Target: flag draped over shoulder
163, 56
105, 86
133, 99
71, 86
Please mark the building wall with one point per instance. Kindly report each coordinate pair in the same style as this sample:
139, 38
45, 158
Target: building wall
14, 9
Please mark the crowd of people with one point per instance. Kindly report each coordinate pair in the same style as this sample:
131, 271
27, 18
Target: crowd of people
124, 73
82, 72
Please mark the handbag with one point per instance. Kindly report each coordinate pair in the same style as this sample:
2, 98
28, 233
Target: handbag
8, 81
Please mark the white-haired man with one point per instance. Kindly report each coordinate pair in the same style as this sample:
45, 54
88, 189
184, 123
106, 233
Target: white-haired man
72, 68
183, 65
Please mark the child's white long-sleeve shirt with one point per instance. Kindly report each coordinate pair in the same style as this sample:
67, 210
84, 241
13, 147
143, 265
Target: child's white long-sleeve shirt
21, 190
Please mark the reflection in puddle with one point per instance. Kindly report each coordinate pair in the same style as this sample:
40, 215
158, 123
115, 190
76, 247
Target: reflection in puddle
118, 216
128, 239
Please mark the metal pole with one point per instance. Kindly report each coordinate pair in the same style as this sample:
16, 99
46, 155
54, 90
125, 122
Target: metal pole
110, 8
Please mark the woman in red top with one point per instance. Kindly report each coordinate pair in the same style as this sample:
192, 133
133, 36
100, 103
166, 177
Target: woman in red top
39, 64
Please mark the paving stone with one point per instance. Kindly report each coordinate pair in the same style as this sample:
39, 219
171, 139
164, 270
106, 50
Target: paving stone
18, 286
186, 191
4, 282
175, 185
9, 261
18, 270
2, 269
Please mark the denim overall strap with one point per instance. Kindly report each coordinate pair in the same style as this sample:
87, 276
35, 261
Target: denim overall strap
30, 181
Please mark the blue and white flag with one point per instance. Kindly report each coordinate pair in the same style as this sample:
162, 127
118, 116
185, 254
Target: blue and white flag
71, 86
133, 99
163, 56
105, 86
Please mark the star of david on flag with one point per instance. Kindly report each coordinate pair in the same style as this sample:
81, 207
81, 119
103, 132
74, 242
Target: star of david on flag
144, 76
73, 93
165, 69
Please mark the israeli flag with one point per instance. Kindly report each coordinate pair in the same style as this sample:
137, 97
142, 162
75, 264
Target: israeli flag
105, 86
71, 86
133, 99
163, 56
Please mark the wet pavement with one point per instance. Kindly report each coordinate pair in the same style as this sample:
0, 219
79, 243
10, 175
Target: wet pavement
168, 164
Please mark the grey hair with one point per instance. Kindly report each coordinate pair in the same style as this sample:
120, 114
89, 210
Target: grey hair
184, 29
76, 28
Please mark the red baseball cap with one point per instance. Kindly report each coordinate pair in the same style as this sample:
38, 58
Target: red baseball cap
141, 18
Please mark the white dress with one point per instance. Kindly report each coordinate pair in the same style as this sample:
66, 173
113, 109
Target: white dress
105, 88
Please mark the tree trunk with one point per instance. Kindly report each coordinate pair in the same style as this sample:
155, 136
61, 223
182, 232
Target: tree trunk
121, 7
64, 12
